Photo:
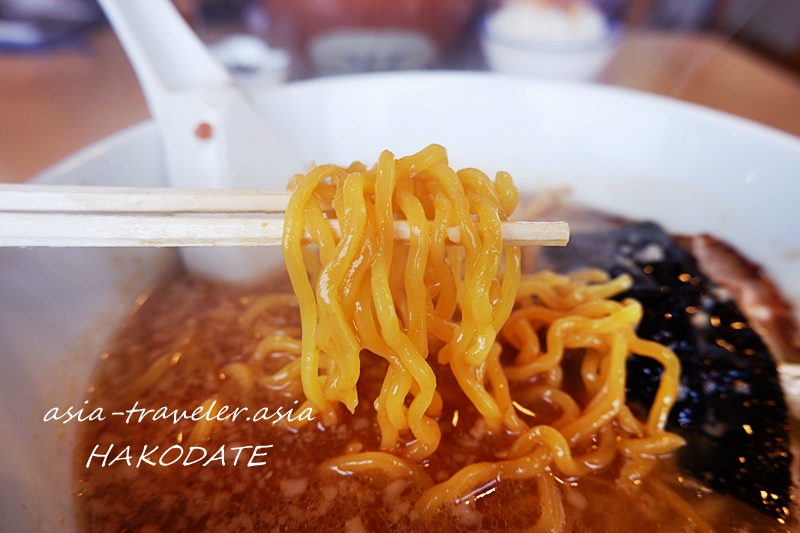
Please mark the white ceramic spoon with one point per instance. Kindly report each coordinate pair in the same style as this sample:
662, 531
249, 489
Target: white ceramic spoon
213, 135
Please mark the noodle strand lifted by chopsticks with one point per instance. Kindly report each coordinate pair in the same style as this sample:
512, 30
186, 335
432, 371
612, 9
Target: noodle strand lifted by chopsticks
372, 294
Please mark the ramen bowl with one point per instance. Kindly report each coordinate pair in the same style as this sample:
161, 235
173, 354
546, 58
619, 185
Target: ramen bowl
690, 169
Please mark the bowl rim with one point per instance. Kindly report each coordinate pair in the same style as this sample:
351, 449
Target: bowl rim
723, 118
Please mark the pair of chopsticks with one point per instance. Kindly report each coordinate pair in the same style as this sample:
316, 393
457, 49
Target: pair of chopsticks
70, 216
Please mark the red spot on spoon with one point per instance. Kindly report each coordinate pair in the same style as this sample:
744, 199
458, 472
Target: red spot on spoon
204, 131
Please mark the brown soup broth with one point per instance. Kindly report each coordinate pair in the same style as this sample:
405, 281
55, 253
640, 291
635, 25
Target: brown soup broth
196, 325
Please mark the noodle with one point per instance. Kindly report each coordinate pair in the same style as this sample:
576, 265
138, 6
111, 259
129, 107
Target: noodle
504, 337
397, 291
393, 320
389, 464
553, 518
203, 428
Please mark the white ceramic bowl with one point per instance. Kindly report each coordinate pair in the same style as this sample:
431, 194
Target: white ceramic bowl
688, 168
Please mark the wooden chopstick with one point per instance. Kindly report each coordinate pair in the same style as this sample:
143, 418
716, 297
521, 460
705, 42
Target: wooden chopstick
70, 230
70, 216
15, 197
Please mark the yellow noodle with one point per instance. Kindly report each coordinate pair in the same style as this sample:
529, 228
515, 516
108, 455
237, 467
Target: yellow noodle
242, 375
553, 517
554, 396
571, 315
277, 343
398, 305
633, 472
362, 296
264, 303
458, 486
283, 378
668, 386
294, 228
414, 272
201, 431
378, 462
681, 506
502, 394
628, 422
158, 368
603, 450
661, 444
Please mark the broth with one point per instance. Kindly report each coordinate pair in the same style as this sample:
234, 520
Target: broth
196, 326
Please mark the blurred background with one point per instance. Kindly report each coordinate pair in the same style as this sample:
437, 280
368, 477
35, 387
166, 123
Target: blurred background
65, 81
769, 27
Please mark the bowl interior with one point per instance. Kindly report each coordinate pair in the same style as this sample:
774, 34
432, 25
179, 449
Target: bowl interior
688, 168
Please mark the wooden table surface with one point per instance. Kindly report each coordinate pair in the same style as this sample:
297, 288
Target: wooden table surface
52, 104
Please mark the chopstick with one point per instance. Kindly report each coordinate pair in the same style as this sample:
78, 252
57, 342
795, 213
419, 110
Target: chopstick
82, 216
16, 197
